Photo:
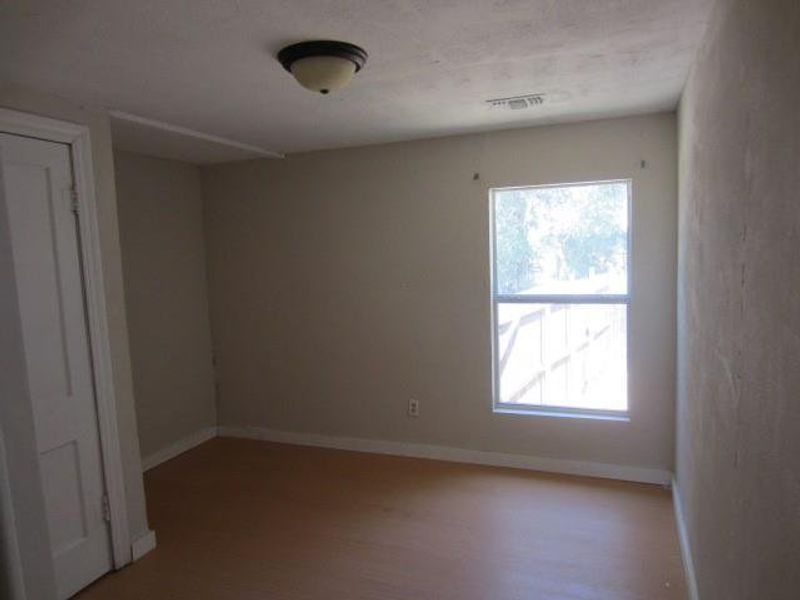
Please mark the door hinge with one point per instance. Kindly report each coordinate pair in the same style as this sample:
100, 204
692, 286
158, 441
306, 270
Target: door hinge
106, 509
73, 198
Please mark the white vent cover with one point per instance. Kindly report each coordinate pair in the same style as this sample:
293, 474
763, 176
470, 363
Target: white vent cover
517, 102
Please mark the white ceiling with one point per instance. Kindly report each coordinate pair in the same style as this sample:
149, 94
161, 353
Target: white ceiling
209, 65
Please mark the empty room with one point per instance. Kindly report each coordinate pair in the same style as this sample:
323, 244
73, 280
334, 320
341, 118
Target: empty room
400, 300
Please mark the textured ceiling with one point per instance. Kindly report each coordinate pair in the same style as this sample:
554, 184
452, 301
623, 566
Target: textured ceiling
208, 64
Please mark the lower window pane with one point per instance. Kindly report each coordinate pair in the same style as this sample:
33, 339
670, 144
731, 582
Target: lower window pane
562, 355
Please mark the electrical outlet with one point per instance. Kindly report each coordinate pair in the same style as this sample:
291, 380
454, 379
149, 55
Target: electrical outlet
413, 408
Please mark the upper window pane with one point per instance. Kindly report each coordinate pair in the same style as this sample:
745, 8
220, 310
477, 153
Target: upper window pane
569, 239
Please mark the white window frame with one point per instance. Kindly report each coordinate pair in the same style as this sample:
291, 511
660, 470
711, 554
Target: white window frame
615, 299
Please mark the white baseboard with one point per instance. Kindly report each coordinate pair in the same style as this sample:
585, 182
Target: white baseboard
461, 455
683, 538
143, 544
178, 447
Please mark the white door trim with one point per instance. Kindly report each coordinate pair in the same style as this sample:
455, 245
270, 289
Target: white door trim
78, 138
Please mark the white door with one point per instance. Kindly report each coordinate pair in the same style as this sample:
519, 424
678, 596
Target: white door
37, 180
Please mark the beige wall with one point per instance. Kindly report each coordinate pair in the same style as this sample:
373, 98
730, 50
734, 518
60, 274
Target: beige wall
163, 259
97, 121
343, 283
738, 437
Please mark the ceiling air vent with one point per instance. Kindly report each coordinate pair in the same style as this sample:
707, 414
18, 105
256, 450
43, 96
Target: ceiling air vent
517, 102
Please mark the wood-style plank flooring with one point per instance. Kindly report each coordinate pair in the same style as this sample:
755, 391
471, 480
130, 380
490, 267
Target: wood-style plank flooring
250, 520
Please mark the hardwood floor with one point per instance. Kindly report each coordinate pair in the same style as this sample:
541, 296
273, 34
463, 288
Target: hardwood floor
247, 520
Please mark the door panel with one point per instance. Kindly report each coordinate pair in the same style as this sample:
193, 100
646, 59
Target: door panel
38, 180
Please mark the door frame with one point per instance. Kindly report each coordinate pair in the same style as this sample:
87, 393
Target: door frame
79, 140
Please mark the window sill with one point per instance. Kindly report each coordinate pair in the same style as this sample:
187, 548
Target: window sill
618, 416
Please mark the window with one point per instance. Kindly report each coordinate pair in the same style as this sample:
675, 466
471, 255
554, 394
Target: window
560, 297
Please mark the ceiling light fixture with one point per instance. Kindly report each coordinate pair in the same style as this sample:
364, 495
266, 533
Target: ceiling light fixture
323, 66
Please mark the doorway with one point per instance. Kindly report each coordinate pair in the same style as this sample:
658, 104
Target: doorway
47, 196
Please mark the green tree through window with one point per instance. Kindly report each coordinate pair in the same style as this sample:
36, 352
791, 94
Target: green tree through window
562, 234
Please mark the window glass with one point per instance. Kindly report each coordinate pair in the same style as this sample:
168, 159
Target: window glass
562, 240
560, 296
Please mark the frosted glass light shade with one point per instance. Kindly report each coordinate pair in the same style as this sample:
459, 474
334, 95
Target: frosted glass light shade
323, 74
323, 66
